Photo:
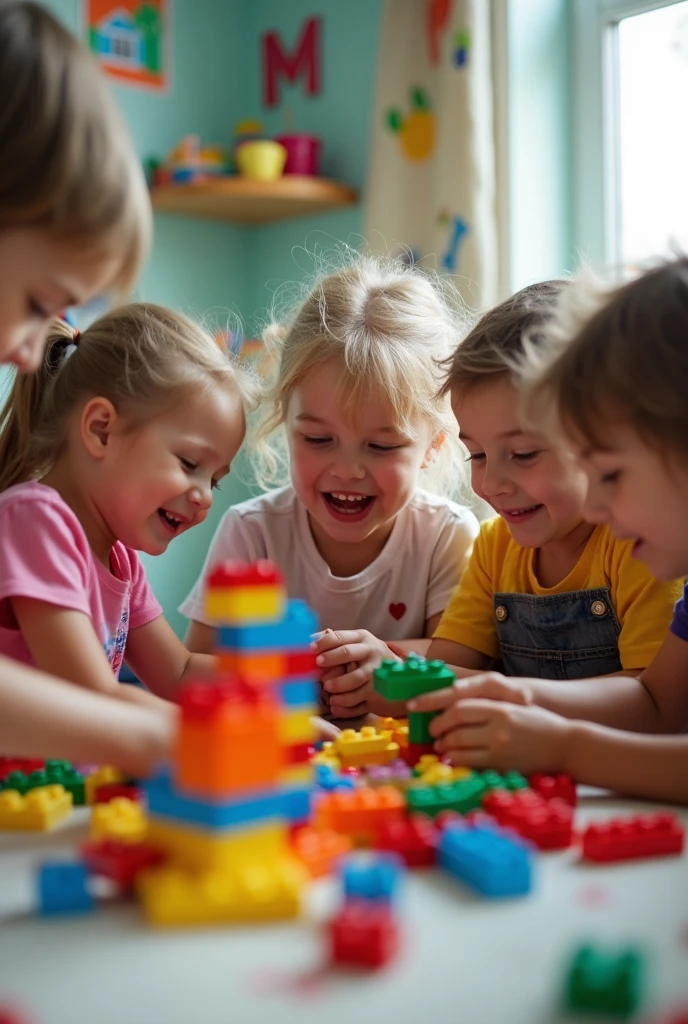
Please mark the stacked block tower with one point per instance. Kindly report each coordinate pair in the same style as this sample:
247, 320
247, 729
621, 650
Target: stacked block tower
241, 774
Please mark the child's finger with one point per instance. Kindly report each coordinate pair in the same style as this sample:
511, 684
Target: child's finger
324, 730
330, 638
462, 713
470, 758
437, 700
342, 655
465, 738
348, 699
353, 680
350, 712
333, 673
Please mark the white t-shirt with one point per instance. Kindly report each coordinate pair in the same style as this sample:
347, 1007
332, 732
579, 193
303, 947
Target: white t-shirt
410, 581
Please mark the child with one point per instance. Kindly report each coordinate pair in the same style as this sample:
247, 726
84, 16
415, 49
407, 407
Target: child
74, 220
615, 374
354, 534
114, 446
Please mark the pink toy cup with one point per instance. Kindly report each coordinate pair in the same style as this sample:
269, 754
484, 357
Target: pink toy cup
303, 153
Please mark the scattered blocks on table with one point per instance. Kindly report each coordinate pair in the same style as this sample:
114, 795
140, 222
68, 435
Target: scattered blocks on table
120, 819
361, 812
121, 862
329, 780
367, 747
372, 877
462, 795
319, 850
40, 810
511, 781
111, 790
412, 753
414, 839
403, 680
650, 835
25, 765
560, 787
364, 934
546, 823
63, 889
106, 775
604, 983
486, 858
399, 729
53, 773
397, 774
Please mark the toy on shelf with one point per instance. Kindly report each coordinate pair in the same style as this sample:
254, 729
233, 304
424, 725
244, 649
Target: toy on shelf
261, 160
604, 983
189, 161
630, 838
365, 932
303, 153
240, 776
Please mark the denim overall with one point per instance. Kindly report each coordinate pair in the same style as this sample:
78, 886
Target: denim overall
558, 636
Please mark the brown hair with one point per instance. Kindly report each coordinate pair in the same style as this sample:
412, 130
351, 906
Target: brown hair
142, 357
67, 164
495, 345
618, 356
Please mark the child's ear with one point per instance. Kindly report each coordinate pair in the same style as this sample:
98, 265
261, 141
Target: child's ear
433, 449
98, 419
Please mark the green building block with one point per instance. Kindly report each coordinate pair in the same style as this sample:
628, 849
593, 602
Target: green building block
604, 983
55, 772
463, 795
419, 722
510, 780
404, 680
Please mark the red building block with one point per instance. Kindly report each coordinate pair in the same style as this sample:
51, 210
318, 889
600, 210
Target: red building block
104, 794
546, 823
560, 787
19, 764
413, 838
364, 934
627, 838
120, 862
243, 574
298, 753
298, 664
414, 751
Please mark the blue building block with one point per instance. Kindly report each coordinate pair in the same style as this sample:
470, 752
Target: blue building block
374, 878
293, 633
486, 859
329, 780
62, 889
298, 692
292, 803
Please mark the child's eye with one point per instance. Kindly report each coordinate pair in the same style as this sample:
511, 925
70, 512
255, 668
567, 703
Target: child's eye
188, 465
524, 456
215, 485
315, 441
475, 456
611, 477
379, 448
36, 309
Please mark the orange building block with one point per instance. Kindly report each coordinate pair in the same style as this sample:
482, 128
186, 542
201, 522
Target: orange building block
258, 667
229, 739
359, 813
319, 849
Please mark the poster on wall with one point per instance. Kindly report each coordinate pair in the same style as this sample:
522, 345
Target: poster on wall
131, 40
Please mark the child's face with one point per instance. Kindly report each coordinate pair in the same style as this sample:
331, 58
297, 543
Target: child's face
538, 489
352, 477
39, 278
157, 482
641, 498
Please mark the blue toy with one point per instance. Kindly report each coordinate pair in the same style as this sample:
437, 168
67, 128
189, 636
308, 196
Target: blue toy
376, 877
62, 889
487, 859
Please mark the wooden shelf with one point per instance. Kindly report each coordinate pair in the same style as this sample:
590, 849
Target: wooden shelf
244, 201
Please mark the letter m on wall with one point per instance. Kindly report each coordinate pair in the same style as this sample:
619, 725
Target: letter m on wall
303, 62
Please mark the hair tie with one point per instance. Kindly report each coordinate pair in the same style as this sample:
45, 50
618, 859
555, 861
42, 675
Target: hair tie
75, 336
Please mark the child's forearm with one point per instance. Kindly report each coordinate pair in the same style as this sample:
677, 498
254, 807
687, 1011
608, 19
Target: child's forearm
140, 697
45, 717
655, 767
620, 702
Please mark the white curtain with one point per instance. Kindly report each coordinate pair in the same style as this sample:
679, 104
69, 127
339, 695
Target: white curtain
431, 187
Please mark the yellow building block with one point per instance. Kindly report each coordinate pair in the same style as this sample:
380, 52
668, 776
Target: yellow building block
297, 727
41, 809
367, 747
432, 771
121, 819
172, 897
103, 776
226, 851
237, 605
296, 775
327, 756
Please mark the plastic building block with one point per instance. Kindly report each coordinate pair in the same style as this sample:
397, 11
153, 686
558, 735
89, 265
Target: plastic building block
54, 773
230, 575
375, 877
486, 858
111, 790
413, 752
63, 889
299, 693
296, 802
300, 664
297, 753
419, 726
238, 593
172, 897
297, 726
228, 742
319, 850
26, 765
461, 795
226, 851
38, 811
295, 776
414, 839
398, 728
292, 633
361, 812
560, 787
430, 771
547, 823
367, 747
120, 819
510, 780
628, 838
396, 774
120, 862
329, 780
103, 776
397, 680
604, 983
364, 934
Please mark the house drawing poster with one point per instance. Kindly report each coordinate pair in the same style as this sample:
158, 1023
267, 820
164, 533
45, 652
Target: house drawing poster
131, 40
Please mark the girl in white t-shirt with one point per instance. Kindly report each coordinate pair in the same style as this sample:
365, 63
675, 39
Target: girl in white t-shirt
355, 398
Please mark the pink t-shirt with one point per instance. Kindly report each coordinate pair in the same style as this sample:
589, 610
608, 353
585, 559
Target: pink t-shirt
44, 554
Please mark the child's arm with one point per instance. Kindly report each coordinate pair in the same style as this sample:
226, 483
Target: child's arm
200, 638
45, 717
160, 660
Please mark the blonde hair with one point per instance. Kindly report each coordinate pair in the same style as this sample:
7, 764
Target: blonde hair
143, 358
495, 346
67, 163
617, 355
387, 325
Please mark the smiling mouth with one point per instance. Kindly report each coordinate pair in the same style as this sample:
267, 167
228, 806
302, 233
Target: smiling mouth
172, 522
516, 513
348, 504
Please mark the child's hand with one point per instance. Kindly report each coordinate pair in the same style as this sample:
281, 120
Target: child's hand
347, 660
493, 734
488, 685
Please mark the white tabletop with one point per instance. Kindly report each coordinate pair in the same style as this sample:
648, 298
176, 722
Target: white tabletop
464, 960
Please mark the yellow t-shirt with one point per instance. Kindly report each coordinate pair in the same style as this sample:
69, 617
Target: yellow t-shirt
643, 605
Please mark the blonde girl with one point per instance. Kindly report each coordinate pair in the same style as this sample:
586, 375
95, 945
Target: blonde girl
355, 532
613, 375
74, 220
114, 446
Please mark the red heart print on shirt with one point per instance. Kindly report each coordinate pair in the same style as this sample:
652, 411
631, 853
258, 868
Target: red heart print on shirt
398, 610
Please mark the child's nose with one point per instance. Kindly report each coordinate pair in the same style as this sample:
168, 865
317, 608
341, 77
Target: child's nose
348, 468
595, 509
495, 481
201, 496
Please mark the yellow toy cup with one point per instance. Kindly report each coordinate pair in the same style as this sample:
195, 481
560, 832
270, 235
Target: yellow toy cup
261, 159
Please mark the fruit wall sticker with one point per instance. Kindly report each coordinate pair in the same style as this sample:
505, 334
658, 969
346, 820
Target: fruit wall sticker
462, 46
458, 229
438, 13
416, 129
